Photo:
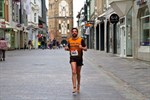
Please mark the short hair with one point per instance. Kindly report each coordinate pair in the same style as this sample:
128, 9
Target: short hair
75, 29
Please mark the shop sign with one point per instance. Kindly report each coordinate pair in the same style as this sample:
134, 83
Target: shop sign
3, 26
88, 24
114, 18
39, 35
18, 25
3, 22
40, 25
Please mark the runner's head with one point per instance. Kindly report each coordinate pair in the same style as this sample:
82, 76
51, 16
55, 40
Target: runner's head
74, 32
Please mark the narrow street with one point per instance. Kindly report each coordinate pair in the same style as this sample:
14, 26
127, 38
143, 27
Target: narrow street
46, 75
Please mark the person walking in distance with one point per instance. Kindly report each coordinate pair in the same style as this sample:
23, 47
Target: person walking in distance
30, 44
3, 48
25, 44
76, 46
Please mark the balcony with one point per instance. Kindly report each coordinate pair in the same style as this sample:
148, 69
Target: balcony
32, 25
34, 6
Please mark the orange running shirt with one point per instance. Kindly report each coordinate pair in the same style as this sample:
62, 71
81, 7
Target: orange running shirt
75, 51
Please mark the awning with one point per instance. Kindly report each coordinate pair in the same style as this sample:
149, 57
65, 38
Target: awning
121, 7
100, 18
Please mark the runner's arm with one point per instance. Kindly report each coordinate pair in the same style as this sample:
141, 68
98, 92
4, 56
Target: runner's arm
83, 45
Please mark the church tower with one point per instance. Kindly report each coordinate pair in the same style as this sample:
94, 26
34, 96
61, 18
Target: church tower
60, 19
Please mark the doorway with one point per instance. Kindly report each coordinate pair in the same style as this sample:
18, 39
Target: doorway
123, 41
97, 37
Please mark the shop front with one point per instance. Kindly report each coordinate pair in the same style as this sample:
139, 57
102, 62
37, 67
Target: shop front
10, 37
122, 40
142, 24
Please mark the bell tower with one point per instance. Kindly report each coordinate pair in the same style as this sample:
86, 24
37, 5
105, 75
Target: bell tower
60, 19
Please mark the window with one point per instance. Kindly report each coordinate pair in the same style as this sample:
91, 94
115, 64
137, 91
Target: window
7, 11
17, 13
64, 28
50, 6
34, 17
34, 1
1, 9
68, 26
59, 26
145, 28
63, 8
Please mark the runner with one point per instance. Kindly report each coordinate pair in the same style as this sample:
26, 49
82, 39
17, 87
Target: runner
76, 45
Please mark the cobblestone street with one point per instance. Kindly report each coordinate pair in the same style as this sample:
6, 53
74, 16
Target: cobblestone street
46, 75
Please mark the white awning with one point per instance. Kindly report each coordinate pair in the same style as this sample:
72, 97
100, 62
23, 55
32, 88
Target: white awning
97, 20
121, 7
103, 14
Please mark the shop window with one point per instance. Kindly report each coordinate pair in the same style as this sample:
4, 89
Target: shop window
1, 9
34, 17
145, 28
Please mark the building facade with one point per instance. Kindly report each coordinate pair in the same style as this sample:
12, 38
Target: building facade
33, 13
60, 19
13, 22
141, 29
42, 22
121, 27
20, 21
2, 18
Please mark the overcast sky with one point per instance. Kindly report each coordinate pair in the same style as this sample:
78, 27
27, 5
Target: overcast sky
77, 5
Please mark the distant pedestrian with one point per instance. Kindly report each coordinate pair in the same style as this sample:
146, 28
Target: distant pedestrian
43, 44
3, 48
58, 45
76, 45
25, 44
54, 43
30, 44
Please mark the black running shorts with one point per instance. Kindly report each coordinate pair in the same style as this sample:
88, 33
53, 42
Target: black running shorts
78, 61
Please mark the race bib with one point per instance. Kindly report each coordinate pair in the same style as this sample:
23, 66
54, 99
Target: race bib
74, 53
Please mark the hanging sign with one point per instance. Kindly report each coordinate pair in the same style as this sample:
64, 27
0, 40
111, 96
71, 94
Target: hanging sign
114, 18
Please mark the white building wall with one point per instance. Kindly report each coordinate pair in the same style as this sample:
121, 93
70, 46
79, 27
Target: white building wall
92, 7
40, 8
32, 24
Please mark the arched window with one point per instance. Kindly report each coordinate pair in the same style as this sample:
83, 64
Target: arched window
63, 8
145, 27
